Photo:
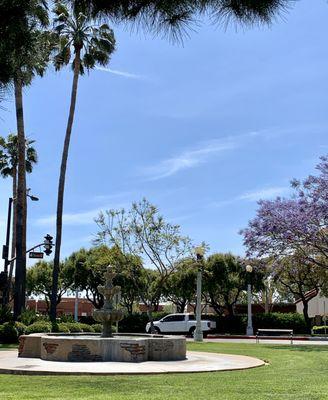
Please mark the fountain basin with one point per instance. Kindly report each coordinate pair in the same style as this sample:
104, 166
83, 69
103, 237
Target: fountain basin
88, 347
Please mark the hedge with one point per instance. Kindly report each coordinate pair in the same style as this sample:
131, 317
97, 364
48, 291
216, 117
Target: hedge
320, 330
237, 324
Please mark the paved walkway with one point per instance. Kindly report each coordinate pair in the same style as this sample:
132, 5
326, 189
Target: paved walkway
270, 341
195, 362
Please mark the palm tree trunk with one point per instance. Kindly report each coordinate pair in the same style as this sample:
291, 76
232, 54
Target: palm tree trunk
20, 276
13, 238
61, 188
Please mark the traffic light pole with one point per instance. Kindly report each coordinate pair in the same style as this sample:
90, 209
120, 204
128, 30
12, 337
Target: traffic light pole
32, 248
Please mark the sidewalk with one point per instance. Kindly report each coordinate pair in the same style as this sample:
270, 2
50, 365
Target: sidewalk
298, 340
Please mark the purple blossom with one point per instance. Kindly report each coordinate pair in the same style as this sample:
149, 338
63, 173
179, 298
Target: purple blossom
300, 224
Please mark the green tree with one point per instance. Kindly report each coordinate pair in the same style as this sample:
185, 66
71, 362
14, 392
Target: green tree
39, 281
298, 276
225, 279
143, 232
86, 269
180, 287
85, 42
8, 168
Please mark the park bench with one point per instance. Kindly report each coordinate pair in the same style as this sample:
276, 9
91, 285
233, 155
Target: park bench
277, 332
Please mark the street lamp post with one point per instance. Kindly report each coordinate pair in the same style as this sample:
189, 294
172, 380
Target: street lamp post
198, 334
249, 330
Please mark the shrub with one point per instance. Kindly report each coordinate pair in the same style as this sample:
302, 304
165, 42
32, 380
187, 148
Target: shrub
63, 328
5, 314
74, 327
8, 333
86, 328
134, 323
66, 318
39, 326
97, 328
293, 321
28, 317
21, 328
320, 330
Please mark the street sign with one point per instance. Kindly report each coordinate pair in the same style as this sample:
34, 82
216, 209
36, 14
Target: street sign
36, 254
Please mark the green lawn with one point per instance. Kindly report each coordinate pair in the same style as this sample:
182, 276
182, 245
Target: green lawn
299, 373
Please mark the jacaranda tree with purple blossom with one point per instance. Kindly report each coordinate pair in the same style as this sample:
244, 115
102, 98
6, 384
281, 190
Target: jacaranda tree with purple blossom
283, 227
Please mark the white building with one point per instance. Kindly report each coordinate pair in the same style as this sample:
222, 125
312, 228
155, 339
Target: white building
318, 305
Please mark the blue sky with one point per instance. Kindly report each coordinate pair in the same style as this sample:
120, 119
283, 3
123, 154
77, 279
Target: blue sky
201, 130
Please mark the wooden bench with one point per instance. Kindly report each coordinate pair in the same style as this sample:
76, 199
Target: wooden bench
263, 332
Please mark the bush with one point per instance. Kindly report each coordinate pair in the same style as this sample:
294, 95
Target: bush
86, 328
8, 333
293, 321
134, 323
38, 327
236, 324
21, 328
28, 317
66, 318
74, 327
63, 328
320, 330
98, 328
5, 314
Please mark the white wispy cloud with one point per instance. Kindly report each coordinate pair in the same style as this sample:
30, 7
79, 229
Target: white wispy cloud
196, 156
264, 193
78, 218
124, 74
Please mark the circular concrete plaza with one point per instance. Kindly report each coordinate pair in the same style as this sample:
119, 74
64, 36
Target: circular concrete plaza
195, 362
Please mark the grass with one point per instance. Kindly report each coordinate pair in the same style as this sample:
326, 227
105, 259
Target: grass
299, 372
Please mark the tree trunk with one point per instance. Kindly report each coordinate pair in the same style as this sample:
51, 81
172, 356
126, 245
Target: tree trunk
61, 188
306, 314
13, 237
20, 276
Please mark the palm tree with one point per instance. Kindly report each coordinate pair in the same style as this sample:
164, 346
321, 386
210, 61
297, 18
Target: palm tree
24, 51
88, 44
8, 168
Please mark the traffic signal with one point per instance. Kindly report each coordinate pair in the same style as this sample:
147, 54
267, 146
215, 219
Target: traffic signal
48, 244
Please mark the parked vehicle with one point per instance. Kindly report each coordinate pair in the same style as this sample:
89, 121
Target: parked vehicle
181, 323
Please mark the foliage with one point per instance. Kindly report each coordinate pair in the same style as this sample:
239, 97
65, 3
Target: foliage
39, 326
62, 327
136, 322
143, 232
8, 333
298, 225
28, 317
225, 278
39, 281
317, 330
174, 19
299, 276
5, 314
98, 328
9, 156
180, 287
86, 328
21, 328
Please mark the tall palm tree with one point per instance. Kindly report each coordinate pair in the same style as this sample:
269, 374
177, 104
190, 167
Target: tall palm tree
85, 42
8, 168
24, 50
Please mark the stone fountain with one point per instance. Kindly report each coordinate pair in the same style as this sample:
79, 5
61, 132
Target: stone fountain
88, 347
109, 314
